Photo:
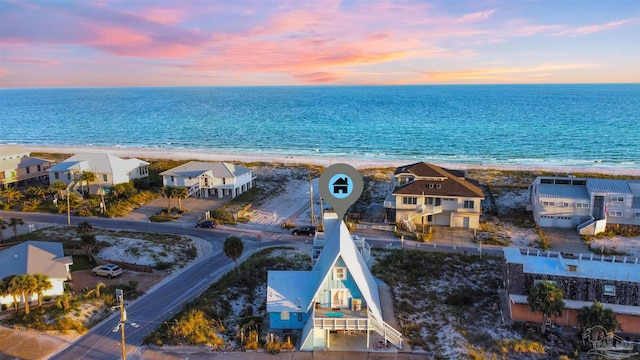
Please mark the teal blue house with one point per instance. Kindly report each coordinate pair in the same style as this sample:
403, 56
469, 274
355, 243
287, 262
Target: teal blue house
338, 294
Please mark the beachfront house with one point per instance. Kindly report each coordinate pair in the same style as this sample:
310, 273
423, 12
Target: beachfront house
613, 281
204, 179
17, 166
36, 257
585, 204
338, 295
109, 170
424, 194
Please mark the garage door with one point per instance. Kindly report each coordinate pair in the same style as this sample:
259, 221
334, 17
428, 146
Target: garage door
546, 221
563, 222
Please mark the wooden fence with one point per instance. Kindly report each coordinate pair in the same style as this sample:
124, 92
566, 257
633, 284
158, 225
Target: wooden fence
126, 265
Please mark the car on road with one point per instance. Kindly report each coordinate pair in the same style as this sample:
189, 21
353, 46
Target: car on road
304, 230
206, 224
108, 270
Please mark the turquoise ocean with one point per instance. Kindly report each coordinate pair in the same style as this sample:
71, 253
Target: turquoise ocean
587, 125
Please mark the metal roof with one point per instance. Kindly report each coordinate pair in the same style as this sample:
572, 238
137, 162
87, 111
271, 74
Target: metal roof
197, 168
586, 268
98, 163
608, 186
574, 192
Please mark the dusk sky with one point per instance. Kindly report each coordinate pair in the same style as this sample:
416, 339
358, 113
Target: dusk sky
59, 43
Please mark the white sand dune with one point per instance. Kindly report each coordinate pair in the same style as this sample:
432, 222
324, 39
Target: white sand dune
183, 154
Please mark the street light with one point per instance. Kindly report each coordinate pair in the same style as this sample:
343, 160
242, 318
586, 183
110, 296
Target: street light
68, 206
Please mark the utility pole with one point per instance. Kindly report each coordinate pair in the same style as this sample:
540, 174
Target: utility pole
322, 213
123, 319
311, 201
68, 206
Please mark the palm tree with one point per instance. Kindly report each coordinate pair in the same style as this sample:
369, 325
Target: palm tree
36, 192
42, 284
88, 176
180, 193
89, 243
233, 248
25, 285
12, 195
167, 192
96, 291
84, 228
9, 289
596, 314
14, 222
545, 297
58, 186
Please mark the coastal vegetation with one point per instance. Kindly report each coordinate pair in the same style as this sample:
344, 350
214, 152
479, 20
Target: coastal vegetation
236, 304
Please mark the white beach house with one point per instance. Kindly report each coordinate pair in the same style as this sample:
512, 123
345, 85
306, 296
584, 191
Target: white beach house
205, 179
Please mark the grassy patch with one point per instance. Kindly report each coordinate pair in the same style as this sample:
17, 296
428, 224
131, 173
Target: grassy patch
82, 263
216, 302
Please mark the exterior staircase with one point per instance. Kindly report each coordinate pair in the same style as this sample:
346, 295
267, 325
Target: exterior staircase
383, 329
194, 189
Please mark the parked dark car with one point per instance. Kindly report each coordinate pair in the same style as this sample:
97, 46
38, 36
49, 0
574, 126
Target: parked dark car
206, 224
304, 230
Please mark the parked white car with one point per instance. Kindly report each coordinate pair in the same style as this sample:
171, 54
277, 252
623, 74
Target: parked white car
108, 270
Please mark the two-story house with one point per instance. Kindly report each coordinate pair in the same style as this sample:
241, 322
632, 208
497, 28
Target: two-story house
17, 165
204, 179
426, 194
586, 204
339, 294
109, 169
613, 281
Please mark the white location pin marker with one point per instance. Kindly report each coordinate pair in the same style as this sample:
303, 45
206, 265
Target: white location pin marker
341, 185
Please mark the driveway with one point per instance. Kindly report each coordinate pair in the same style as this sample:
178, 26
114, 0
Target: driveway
565, 240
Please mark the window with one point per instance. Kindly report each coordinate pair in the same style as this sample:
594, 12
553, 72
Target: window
39, 168
572, 268
582, 205
638, 215
610, 290
28, 170
409, 200
615, 213
284, 315
340, 273
548, 203
173, 179
468, 204
438, 186
105, 178
224, 181
617, 199
56, 176
448, 199
561, 204
68, 176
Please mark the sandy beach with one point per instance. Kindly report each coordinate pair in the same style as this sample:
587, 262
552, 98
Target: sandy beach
184, 154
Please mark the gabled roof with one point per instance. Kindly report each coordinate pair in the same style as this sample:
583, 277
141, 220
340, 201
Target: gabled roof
98, 163
449, 184
197, 168
339, 244
35, 257
283, 296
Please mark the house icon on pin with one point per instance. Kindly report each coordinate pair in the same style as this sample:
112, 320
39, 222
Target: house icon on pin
341, 185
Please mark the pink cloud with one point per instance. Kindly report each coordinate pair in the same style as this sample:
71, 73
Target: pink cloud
164, 16
30, 61
586, 30
318, 77
3, 71
477, 16
495, 73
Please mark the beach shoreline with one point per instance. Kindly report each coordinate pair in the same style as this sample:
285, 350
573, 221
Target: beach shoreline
202, 155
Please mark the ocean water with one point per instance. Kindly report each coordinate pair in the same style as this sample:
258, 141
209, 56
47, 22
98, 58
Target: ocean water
568, 125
